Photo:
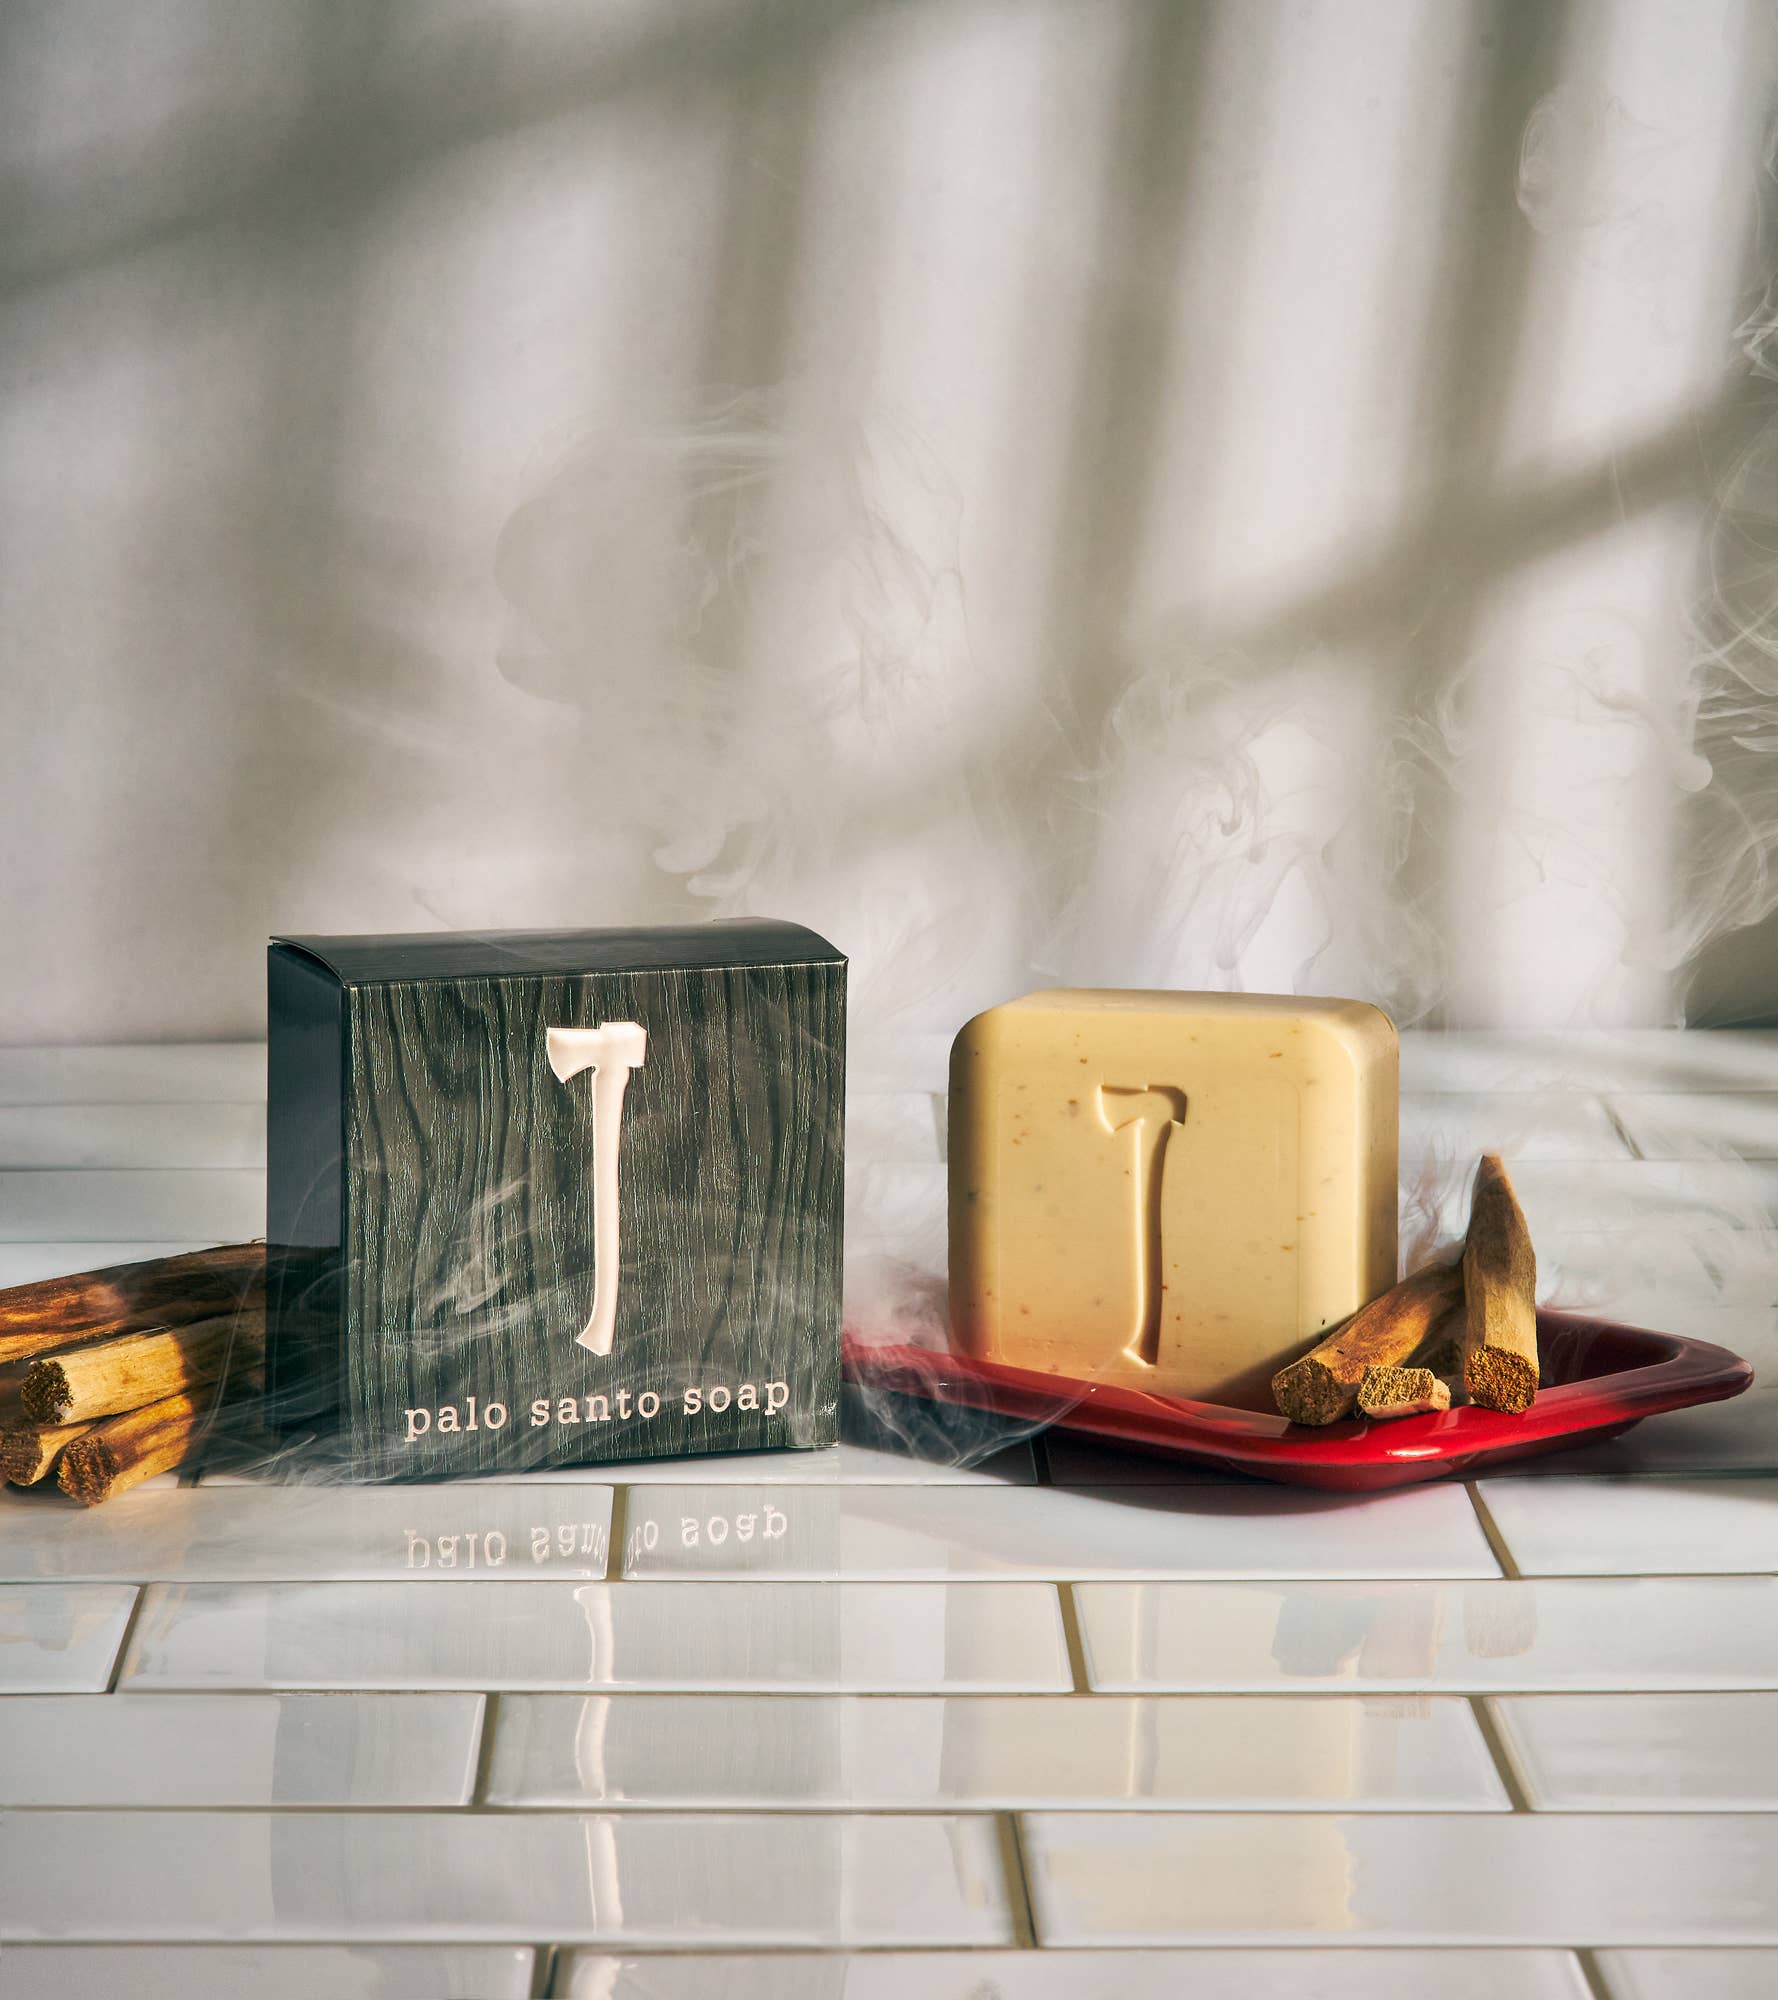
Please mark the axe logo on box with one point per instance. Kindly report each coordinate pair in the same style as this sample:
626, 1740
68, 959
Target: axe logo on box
611, 1052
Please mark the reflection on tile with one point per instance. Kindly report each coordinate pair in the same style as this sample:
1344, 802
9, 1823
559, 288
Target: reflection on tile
1743, 1123
1081, 1975
132, 1135
1636, 1527
1533, 1125
1738, 1436
149, 1205
641, 1878
920, 1532
418, 1533
265, 1972
735, 1751
1690, 1975
240, 1750
62, 1640
1645, 1752
894, 1638
26, 1263
135, 1072
1480, 1878
1681, 1632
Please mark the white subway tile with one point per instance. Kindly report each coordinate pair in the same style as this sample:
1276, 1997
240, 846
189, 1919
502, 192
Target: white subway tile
1590, 1059
915, 1533
26, 1263
1537, 1125
265, 1972
1636, 1526
1604, 1634
240, 1750
795, 1636
61, 1639
421, 1534
132, 1135
716, 1751
1742, 1124
135, 1072
1474, 1879
40, 1205
1645, 1752
1689, 1975
436, 1877
1080, 1975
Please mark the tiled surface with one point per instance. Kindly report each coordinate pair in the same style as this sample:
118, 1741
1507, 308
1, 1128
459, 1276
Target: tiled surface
61, 1639
1596, 1634
421, 1534
1645, 1752
133, 1135
240, 1750
44, 1205
717, 1751
1690, 1975
1260, 1741
1481, 1879
265, 1972
1636, 1526
660, 1879
1085, 1975
934, 1532
789, 1636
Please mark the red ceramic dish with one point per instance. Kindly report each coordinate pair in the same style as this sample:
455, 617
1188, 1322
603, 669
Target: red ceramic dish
1599, 1378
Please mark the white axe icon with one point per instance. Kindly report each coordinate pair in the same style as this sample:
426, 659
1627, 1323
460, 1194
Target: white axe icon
610, 1052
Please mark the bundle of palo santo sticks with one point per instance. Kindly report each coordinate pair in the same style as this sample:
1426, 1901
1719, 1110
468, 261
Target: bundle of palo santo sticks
1466, 1327
109, 1377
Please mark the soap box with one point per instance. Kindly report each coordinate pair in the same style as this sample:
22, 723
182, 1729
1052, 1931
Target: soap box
544, 1198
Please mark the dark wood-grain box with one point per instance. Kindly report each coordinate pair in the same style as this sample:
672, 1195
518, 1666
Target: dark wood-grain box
432, 1155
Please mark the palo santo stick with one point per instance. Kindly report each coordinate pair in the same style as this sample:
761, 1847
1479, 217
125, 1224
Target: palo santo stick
114, 1456
129, 1298
27, 1456
1323, 1385
140, 1368
1499, 1296
1402, 1392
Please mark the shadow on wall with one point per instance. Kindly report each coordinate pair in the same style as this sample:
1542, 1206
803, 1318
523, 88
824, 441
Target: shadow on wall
1178, 494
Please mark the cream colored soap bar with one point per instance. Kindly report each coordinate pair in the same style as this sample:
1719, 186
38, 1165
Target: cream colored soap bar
1170, 1191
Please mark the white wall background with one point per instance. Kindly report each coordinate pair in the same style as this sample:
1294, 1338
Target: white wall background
1202, 492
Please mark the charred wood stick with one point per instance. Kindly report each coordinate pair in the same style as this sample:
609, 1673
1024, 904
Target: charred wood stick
1402, 1392
140, 1368
111, 1457
1323, 1386
129, 1298
1499, 1296
27, 1456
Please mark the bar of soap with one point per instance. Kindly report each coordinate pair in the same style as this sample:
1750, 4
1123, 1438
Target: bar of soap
1169, 1191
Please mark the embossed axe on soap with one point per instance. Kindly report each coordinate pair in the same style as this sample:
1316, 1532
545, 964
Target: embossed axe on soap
554, 1198
1169, 1191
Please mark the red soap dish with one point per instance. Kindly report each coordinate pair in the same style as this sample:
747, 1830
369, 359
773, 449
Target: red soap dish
1599, 1378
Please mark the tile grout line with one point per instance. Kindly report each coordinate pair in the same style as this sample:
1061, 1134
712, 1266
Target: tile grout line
616, 1529
1490, 1528
1018, 1881
1494, 1741
1072, 1639
1593, 1973
126, 1637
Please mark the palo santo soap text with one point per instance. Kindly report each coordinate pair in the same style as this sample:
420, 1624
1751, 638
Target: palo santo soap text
1170, 1191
